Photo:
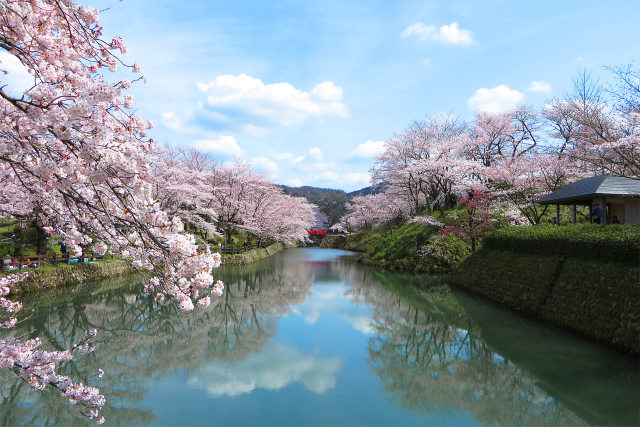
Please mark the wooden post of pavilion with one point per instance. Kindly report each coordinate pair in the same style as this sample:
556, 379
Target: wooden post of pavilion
574, 213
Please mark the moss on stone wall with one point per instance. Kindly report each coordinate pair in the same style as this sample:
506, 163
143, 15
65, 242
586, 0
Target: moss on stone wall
61, 275
598, 300
255, 255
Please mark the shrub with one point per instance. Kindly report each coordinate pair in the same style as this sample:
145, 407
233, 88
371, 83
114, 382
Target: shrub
613, 243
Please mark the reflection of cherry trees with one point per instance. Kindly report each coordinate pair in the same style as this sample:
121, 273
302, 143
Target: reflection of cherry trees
432, 358
140, 341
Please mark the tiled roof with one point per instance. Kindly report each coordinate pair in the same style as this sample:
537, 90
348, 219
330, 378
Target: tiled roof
586, 189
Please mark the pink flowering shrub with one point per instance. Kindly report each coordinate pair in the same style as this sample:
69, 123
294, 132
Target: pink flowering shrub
477, 219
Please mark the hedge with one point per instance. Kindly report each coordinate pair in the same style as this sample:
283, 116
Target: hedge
613, 243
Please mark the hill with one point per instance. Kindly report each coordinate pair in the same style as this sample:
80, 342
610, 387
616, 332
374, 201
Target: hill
331, 202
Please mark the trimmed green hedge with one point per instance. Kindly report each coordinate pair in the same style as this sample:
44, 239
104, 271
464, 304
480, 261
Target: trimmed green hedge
613, 243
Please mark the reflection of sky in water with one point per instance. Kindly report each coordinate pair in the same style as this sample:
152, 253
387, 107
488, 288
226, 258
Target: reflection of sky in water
275, 367
307, 338
313, 371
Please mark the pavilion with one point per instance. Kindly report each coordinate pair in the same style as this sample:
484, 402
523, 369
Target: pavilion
617, 197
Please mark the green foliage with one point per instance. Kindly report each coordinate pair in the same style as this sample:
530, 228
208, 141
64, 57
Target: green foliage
400, 249
411, 247
441, 253
615, 243
6, 247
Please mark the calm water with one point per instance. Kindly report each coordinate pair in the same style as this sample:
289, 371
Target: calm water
309, 337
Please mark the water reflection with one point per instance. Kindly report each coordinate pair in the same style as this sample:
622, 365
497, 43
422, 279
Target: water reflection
140, 342
436, 349
436, 354
276, 366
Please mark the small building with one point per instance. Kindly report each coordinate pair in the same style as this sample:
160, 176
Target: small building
617, 197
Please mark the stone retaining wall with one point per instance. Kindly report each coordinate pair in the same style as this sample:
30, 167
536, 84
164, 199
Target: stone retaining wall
598, 300
62, 275
255, 255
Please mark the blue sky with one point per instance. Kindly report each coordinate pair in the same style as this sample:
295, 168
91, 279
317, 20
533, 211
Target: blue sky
307, 90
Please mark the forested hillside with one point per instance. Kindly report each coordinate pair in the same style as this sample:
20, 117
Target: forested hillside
331, 202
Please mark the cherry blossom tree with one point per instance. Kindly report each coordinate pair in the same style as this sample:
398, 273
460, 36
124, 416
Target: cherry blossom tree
246, 200
75, 152
37, 367
76, 155
182, 188
372, 209
600, 126
423, 164
281, 217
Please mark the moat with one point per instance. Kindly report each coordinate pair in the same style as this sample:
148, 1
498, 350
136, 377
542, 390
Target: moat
310, 337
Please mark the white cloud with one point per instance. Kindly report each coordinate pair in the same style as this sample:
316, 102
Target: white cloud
368, 149
295, 182
274, 368
360, 323
266, 165
327, 91
225, 145
254, 130
17, 78
315, 153
495, 100
275, 102
446, 34
539, 86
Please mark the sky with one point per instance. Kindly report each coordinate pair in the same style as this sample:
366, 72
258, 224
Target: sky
307, 91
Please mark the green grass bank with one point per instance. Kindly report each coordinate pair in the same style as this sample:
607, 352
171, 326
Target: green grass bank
583, 278
411, 247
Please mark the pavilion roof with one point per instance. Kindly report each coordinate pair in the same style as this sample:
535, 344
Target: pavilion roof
584, 190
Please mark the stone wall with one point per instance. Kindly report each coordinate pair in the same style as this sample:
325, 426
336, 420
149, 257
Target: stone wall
255, 255
599, 300
61, 275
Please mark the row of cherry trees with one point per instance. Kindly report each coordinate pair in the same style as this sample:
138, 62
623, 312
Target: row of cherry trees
74, 156
516, 156
224, 199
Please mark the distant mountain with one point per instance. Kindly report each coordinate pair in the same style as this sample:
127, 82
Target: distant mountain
331, 202
362, 192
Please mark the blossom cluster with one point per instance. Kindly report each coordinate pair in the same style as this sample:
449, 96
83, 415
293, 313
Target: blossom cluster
37, 367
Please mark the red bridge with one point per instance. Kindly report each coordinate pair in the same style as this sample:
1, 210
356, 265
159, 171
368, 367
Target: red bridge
316, 232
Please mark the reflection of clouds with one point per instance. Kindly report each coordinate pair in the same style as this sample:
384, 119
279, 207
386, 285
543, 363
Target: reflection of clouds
331, 299
322, 298
274, 368
360, 322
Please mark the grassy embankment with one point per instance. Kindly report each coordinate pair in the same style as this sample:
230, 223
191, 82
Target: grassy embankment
411, 247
